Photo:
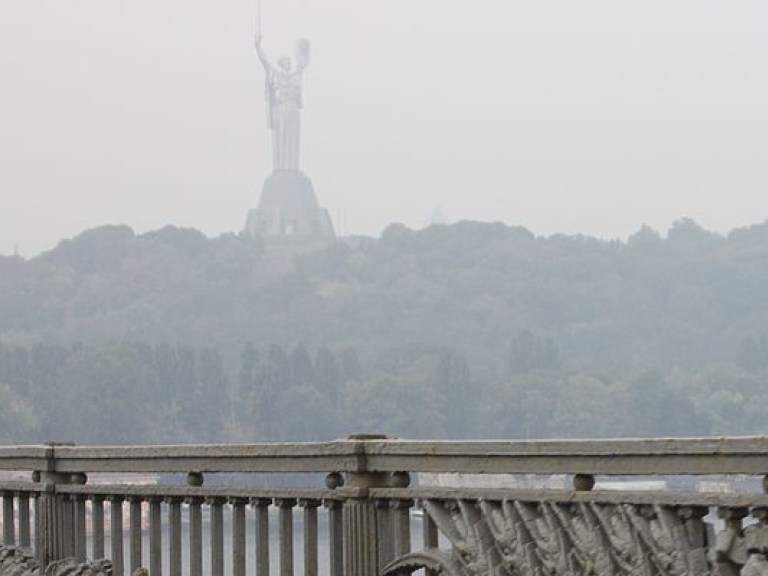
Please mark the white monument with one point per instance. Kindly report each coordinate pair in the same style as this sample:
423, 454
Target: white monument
288, 205
283, 94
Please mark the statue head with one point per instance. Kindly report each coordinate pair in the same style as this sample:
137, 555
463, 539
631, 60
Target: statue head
285, 64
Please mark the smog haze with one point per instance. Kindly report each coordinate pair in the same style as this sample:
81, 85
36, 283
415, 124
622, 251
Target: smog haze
590, 117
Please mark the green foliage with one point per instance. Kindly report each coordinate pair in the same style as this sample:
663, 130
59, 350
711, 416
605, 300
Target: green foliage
528, 352
452, 331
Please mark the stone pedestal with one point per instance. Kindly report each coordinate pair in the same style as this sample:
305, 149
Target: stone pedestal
288, 209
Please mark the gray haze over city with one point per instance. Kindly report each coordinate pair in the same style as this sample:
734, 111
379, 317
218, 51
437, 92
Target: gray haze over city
586, 117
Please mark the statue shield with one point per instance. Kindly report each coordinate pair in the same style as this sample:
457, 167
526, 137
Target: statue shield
302, 53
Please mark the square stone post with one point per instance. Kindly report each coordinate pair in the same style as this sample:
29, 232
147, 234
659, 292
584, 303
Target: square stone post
56, 521
364, 517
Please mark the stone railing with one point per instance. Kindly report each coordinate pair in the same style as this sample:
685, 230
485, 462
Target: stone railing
370, 519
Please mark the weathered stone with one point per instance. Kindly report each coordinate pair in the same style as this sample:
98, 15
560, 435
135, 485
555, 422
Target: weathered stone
757, 565
506, 538
16, 561
288, 209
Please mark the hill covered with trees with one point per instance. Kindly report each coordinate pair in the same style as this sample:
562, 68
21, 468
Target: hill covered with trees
478, 330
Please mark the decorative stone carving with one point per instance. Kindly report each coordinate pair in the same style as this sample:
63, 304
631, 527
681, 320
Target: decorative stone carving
513, 538
755, 566
70, 567
435, 561
740, 551
15, 561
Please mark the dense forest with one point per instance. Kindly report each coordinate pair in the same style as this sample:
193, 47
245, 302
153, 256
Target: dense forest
468, 330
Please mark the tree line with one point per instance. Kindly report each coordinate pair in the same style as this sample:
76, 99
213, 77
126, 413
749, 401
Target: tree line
469, 330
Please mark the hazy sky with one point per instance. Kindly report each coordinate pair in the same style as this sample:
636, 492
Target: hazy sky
591, 116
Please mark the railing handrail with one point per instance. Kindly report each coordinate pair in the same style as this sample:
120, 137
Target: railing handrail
694, 456
283, 457
628, 496
368, 499
689, 456
25, 457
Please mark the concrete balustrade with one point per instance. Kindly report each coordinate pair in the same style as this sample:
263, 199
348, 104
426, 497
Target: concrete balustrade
376, 519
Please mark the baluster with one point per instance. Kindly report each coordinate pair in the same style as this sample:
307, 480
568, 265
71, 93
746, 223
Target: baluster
262, 535
24, 529
76, 521
384, 539
37, 526
430, 535
155, 537
46, 511
285, 505
217, 535
310, 507
238, 536
135, 532
67, 527
174, 544
116, 531
336, 536
195, 536
97, 526
196, 480
78, 501
9, 522
402, 526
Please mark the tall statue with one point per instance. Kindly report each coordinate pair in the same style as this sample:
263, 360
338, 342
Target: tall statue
288, 213
284, 103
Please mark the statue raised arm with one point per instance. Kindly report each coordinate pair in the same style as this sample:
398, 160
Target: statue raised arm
268, 67
284, 103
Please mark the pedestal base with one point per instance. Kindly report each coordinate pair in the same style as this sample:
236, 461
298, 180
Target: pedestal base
289, 208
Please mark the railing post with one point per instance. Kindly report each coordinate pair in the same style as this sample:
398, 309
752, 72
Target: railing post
217, 534
116, 533
134, 515
362, 515
9, 533
195, 535
285, 507
174, 536
24, 525
155, 537
56, 522
310, 507
238, 536
402, 526
262, 535
97, 526
335, 537
78, 503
